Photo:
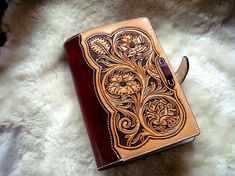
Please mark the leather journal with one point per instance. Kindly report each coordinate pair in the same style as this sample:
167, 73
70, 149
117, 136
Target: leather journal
129, 95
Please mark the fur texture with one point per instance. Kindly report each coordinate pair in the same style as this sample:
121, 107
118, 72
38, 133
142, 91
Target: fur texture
41, 128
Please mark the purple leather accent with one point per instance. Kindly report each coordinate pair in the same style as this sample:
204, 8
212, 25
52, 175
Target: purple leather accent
167, 73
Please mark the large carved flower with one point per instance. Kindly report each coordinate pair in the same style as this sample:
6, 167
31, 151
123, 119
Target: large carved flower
162, 115
123, 84
132, 44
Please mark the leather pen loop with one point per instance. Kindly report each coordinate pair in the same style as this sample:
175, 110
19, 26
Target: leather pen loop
167, 73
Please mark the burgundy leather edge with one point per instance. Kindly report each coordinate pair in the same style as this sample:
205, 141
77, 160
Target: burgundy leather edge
95, 117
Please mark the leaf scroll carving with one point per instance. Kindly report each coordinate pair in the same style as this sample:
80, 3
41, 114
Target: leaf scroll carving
131, 84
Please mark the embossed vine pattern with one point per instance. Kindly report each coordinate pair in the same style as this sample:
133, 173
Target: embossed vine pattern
131, 84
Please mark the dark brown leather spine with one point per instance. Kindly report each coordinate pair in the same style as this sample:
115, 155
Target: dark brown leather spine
94, 116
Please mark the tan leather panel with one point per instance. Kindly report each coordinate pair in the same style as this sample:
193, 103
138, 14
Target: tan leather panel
144, 113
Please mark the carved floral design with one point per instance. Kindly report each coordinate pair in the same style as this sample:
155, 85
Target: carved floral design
161, 114
132, 44
131, 84
123, 84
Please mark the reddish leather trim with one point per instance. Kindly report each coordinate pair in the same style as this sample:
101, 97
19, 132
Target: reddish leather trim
95, 117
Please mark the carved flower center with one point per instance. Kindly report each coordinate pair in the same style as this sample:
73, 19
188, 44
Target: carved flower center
123, 84
132, 44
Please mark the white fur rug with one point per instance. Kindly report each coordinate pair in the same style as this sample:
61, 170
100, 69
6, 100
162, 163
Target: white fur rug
41, 127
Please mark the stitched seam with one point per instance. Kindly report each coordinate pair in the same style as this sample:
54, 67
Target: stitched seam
155, 148
188, 107
109, 164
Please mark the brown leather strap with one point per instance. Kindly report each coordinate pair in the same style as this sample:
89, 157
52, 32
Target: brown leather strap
182, 71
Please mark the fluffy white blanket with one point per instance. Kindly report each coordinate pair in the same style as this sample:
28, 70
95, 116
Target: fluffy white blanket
41, 127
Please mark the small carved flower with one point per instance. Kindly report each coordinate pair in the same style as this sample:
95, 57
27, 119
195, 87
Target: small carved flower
132, 44
123, 84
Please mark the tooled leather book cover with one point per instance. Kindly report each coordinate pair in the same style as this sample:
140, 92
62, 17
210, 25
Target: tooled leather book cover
131, 100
